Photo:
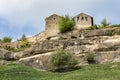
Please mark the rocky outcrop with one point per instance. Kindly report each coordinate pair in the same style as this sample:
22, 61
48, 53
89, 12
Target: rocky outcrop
103, 43
6, 55
38, 61
107, 56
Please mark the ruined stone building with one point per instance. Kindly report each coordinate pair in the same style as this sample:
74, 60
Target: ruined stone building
83, 21
52, 27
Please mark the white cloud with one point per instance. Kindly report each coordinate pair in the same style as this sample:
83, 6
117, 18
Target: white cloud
20, 12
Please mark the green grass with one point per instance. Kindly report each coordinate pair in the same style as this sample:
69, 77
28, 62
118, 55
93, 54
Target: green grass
89, 72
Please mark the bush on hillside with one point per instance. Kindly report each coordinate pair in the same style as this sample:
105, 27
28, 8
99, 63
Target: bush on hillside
94, 27
66, 23
61, 61
23, 37
7, 39
115, 25
90, 58
0, 40
9, 48
24, 42
104, 24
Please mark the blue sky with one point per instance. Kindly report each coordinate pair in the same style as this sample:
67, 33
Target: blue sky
19, 17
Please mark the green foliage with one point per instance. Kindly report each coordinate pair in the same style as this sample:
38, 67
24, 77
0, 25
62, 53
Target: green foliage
0, 40
61, 61
94, 27
90, 58
9, 48
24, 42
87, 72
104, 23
7, 39
66, 23
23, 37
115, 25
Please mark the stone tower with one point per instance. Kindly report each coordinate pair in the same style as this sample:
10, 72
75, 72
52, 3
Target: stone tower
52, 27
83, 21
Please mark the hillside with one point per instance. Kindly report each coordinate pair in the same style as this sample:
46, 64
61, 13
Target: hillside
104, 44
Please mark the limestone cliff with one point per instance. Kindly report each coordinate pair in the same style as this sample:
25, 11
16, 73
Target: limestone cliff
103, 43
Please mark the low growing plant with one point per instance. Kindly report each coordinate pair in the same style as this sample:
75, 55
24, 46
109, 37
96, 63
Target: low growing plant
90, 58
61, 61
7, 39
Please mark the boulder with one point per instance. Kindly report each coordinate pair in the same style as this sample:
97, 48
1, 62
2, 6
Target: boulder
37, 61
107, 56
6, 55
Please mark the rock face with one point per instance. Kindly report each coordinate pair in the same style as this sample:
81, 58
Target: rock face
103, 43
38, 61
6, 55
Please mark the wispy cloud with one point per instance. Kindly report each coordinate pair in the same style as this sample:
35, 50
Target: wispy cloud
27, 16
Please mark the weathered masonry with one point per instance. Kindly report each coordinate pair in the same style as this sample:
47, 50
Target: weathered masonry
82, 21
52, 27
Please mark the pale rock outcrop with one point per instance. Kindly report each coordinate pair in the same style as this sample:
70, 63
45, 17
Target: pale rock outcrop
6, 55
38, 61
103, 43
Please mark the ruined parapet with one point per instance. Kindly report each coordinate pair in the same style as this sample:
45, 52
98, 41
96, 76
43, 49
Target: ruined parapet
83, 21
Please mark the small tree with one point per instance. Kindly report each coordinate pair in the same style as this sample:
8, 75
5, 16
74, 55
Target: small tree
23, 37
104, 23
66, 23
7, 39
61, 61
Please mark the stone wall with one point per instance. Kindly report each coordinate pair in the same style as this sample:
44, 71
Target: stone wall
52, 27
83, 21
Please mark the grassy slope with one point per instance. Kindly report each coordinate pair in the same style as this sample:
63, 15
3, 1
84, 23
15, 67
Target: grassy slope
90, 72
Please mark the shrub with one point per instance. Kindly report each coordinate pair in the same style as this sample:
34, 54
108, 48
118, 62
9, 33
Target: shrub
23, 37
9, 48
0, 40
90, 58
66, 23
24, 42
7, 39
61, 61
94, 27
104, 23
115, 25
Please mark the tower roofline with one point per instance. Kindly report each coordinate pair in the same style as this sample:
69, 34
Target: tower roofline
52, 15
83, 14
